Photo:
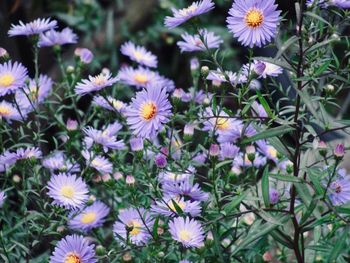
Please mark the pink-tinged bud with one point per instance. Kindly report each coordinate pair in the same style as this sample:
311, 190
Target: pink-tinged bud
267, 257
3, 54
127, 257
130, 180
117, 176
216, 83
194, 64
136, 144
250, 151
106, 177
72, 125
322, 148
84, 54
214, 150
188, 131
339, 151
160, 160
165, 151
178, 93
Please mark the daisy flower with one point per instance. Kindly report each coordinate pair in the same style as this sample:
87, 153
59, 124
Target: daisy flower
339, 191
263, 69
109, 103
73, 249
2, 198
267, 150
148, 112
9, 112
133, 224
166, 206
7, 159
100, 163
140, 77
181, 16
228, 151
340, 3
139, 54
53, 38
28, 153
96, 83
188, 232
90, 217
217, 77
195, 43
57, 161
253, 22
186, 188
67, 190
172, 177
33, 28
12, 77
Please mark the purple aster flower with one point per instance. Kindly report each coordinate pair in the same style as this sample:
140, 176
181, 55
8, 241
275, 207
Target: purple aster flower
200, 159
274, 196
31, 95
84, 54
28, 153
139, 54
73, 249
9, 112
134, 224
33, 28
109, 103
136, 144
12, 77
170, 177
263, 69
160, 160
67, 190
234, 78
57, 161
185, 188
253, 22
106, 138
53, 38
166, 206
100, 163
140, 77
243, 161
96, 83
339, 151
228, 151
195, 43
2, 198
7, 159
258, 110
267, 150
339, 191
340, 3
181, 16
148, 112
185, 261
188, 232
90, 217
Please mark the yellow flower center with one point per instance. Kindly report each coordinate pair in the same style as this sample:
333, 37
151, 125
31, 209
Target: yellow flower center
67, 191
188, 10
141, 78
272, 151
254, 18
138, 55
136, 227
6, 80
99, 80
185, 235
4, 111
179, 203
96, 162
72, 258
148, 110
222, 123
88, 218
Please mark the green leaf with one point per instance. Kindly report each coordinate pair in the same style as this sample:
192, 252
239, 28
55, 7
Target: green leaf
322, 68
273, 132
281, 238
286, 178
338, 246
217, 243
265, 186
309, 210
286, 45
234, 203
264, 104
177, 208
155, 228
314, 15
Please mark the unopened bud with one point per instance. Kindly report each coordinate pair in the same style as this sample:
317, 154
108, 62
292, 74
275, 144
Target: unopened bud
205, 71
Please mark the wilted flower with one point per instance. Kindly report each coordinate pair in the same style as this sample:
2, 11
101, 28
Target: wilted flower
139, 54
73, 249
263, 69
234, 78
253, 22
195, 43
182, 15
53, 37
188, 232
96, 83
33, 28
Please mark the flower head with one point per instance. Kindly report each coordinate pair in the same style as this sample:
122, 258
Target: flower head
28, 153
188, 232
90, 217
57, 161
73, 249
264, 69
32, 28
109, 103
217, 76
181, 16
253, 22
166, 206
12, 77
139, 54
140, 77
67, 190
96, 83
84, 54
9, 112
228, 151
195, 43
134, 223
185, 188
148, 112
53, 38
100, 163
339, 191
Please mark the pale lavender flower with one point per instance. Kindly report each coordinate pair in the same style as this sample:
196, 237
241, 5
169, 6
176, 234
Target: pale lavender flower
136, 144
267, 150
67, 190
148, 112
90, 217
12, 77
28, 153
340, 3
2, 198
187, 189
57, 161
188, 232
339, 191
84, 54
172, 177
96, 83
135, 224
53, 38
139, 54
193, 43
243, 160
258, 110
73, 249
263, 69
9, 112
3, 53
253, 22
140, 77
35, 27
100, 163
217, 76
109, 103
7, 159
166, 206
181, 16
228, 151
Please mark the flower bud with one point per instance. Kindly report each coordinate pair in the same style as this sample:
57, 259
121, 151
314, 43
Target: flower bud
84, 54
160, 160
259, 68
329, 89
117, 176
204, 71
61, 229
72, 125
339, 151
194, 64
100, 250
188, 131
274, 196
161, 254
4, 55
130, 180
267, 257
70, 69
250, 150
322, 148
16, 178
214, 150
127, 257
